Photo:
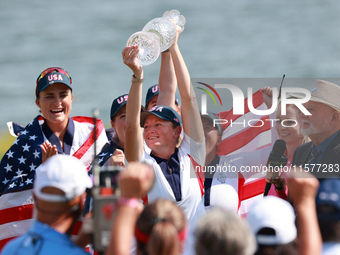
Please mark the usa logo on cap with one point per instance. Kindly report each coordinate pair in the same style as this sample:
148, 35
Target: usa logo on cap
122, 99
154, 89
55, 77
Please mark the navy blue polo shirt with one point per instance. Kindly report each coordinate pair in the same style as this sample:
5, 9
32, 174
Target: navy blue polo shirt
172, 172
54, 140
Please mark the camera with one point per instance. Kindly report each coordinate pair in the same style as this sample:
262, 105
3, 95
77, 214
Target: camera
105, 193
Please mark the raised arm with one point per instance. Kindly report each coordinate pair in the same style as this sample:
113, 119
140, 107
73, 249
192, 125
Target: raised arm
167, 82
192, 123
302, 191
134, 183
133, 134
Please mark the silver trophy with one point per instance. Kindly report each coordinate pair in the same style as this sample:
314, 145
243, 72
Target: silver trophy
156, 36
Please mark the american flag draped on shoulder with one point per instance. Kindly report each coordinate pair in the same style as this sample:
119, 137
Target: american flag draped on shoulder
17, 170
241, 137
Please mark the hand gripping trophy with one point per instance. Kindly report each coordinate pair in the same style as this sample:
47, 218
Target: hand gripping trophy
156, 36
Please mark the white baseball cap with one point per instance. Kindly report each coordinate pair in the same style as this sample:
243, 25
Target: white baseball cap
229, 202
277, 214
64, 172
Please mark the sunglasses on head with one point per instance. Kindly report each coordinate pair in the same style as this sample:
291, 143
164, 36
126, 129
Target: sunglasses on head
53, 70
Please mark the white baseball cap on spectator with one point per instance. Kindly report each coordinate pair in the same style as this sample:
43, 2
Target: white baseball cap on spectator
274, 213
64, 172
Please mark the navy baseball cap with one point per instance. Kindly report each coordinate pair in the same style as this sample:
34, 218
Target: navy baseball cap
163, 112
51, 76
117, 104
328, 199
154, 91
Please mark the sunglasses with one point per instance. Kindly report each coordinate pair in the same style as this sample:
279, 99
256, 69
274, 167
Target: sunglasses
53, 70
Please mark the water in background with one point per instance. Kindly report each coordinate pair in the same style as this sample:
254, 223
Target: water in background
235, 39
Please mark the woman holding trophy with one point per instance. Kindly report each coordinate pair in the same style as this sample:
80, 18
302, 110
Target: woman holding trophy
162, 128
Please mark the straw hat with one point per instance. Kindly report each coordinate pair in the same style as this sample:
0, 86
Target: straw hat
326, 92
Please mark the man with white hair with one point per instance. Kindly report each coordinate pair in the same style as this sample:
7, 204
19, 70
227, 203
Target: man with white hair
321, 155
59, 193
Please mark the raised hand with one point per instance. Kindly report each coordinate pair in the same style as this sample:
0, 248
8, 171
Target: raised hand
130, 58
48, 150
267, 94
303, 186
178, 31
118, 158
136, 180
